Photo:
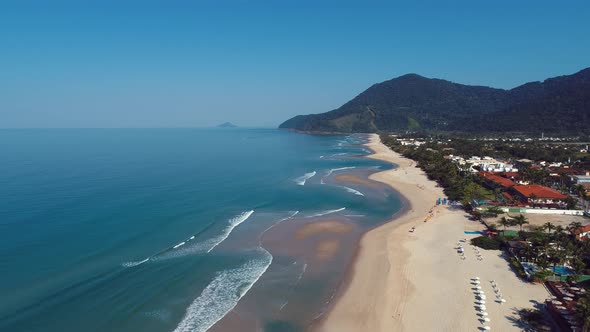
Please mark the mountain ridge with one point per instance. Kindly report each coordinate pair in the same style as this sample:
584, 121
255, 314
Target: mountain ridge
415, 102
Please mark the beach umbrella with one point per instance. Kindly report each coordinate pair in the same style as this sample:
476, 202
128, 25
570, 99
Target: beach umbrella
487, 328
503, 301
486, 319
482, 307
484, 313
482, 297
476, 278
478, 287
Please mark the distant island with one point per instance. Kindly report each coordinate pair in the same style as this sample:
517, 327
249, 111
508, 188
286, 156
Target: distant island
416, 103
227, 125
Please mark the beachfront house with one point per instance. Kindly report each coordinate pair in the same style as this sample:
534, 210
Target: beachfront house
494, 181
579, 179
582, 233
537, 195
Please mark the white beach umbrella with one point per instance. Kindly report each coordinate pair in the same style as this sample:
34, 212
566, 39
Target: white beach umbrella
487, 328
478, 287
503, 301
484, 314
476, 278
482, 307
486, 319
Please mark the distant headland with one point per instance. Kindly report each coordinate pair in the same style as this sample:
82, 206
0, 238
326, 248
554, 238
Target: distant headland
227, 125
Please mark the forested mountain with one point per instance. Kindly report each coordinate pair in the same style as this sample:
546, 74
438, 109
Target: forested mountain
413, 102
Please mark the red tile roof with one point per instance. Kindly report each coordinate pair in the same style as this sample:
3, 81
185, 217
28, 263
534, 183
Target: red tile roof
508, 175
583, 229
539, 191
503, 182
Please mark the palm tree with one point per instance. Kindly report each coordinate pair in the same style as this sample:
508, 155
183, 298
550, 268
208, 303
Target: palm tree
520, 220
504, 222
548, 226
528, 252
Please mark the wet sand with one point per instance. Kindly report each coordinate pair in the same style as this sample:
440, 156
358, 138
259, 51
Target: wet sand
322, 227
415, 281
354, 179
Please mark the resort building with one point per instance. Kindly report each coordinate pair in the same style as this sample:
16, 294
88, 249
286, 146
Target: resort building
494, 181
535, 194
583, 232
579, 179
487, 164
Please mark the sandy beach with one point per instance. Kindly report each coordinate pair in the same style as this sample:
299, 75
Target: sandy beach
404, 281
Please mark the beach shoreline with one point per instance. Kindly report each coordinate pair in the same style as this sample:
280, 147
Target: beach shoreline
416, 281
378, 265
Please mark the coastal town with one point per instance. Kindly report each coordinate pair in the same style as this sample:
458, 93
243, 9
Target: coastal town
525, 202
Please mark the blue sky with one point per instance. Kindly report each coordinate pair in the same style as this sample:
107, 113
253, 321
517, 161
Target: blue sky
257, 63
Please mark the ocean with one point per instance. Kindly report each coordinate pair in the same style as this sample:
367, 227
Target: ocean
179, 229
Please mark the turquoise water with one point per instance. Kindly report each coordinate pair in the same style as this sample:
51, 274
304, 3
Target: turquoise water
159, 229
563, 270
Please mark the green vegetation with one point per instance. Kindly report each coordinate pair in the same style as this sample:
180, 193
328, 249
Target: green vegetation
458, 185
535, 319
583, 312
552, 248
518, 267
486, 243
413, 102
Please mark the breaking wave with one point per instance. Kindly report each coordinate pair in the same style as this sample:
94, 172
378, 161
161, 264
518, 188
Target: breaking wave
223, 294
293, 214
201, 247
329, 172
325, 213
353, 191
210, 244
302, 179
132, 264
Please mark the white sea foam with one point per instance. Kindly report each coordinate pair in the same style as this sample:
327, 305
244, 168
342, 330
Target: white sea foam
302, 179
330, 171
353, 191
223, 294
178, 245
132, 264
325, 213
300, 276
278, 222
192, 237
283, 305
209, 244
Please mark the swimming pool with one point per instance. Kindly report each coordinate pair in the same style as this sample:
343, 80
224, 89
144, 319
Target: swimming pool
563, 270
531, 268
